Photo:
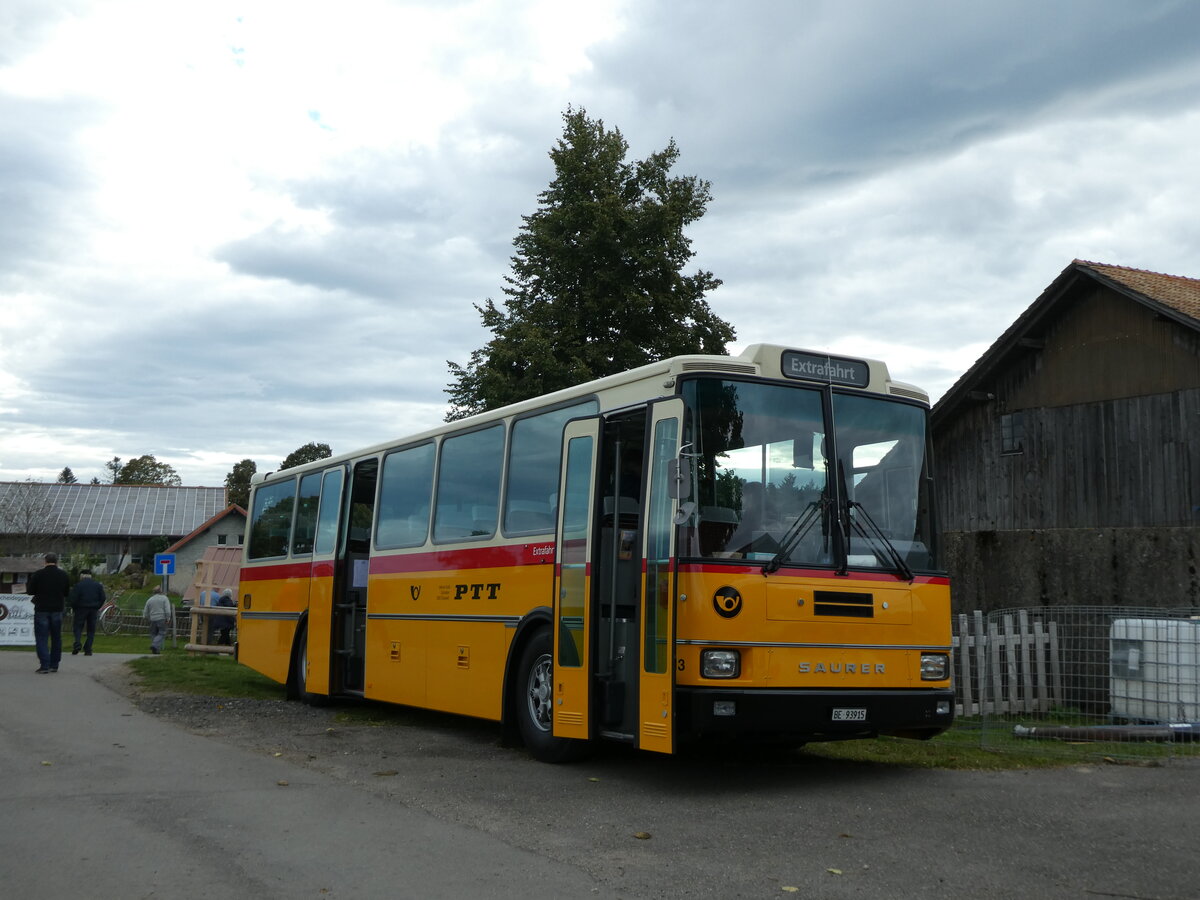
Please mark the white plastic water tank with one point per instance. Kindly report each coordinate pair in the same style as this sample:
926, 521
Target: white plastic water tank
1154, 670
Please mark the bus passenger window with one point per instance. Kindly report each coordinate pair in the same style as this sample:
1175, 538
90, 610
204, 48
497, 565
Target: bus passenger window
404, 498
306, 514
533, 462
271, 519
331, 504
468, 485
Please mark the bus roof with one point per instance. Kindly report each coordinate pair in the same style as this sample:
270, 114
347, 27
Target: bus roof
635, 386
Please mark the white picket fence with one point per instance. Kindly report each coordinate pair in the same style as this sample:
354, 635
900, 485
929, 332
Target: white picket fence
1008, 663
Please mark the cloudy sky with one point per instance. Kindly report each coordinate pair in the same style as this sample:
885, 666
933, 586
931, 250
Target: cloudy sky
231, 228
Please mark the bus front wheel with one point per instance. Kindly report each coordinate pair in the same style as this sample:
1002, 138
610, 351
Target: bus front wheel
534, 706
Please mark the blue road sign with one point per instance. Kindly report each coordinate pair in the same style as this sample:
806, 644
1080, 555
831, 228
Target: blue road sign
164, 563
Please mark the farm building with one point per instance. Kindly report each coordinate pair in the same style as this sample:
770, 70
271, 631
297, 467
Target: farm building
1069, 454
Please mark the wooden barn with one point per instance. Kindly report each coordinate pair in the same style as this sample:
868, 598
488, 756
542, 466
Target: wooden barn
1069, 454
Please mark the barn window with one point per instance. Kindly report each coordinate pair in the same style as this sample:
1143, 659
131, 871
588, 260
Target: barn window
1012, 433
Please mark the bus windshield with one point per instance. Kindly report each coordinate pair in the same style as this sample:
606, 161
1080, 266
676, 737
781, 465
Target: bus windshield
771, 485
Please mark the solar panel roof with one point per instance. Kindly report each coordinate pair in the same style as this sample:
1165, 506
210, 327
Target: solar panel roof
124, 510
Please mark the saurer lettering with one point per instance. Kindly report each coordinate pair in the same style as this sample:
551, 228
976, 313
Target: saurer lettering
849, 668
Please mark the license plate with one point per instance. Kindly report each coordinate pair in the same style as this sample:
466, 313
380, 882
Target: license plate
849, 715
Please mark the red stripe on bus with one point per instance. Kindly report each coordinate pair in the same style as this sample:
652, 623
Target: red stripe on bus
464, 558
277, 571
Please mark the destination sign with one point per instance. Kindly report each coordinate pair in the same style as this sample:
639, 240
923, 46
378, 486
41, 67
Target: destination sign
826, 369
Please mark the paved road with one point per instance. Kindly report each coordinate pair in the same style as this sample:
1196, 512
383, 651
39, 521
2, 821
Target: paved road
103, 801
113, 817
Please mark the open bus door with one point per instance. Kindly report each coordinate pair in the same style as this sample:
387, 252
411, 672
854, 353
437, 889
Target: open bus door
350, 605
573, 581
656, 729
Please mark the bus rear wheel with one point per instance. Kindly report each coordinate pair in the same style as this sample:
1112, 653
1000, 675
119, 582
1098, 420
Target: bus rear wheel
534, 704
297, 686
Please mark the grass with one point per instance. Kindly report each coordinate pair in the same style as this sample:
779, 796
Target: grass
211, 676
958, 748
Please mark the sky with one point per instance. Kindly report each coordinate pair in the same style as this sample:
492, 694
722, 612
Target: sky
228, 229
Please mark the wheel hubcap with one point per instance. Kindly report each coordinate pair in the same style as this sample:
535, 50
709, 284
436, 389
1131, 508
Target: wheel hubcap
539, 692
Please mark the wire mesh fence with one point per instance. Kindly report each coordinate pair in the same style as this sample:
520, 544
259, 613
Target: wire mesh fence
1123, 682
114, 619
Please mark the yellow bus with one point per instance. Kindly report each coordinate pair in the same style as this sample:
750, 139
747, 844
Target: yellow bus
709, 545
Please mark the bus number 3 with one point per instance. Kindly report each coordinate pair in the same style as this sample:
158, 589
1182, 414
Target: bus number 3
680, 665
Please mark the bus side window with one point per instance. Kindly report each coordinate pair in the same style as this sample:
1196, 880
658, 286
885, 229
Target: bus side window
305, 530
404, 498
533, 462
271, 519
468, 485
331, 504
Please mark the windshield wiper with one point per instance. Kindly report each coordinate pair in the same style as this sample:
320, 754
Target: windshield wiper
795, 534
877, 535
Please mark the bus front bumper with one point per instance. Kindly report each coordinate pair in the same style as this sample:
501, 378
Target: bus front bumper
814, 715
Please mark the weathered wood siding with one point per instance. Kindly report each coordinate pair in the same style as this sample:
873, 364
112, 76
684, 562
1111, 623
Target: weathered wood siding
1109, 393
1122, 463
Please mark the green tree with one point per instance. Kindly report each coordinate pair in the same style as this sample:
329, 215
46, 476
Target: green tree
157, 545
113, 468
66, 476
596, 285
309, 452
147, 470
237, 482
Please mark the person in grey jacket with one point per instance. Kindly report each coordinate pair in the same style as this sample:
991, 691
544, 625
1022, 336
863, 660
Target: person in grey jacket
159, 613
86, 598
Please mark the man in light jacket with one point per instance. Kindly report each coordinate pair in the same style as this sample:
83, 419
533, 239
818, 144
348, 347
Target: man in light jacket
159, 613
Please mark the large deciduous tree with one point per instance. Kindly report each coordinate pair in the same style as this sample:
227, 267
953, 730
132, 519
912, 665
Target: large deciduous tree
309, 452
237, 482
147, 470
596, 285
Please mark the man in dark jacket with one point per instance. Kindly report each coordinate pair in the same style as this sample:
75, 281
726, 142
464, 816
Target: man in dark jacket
86, 598
48, 586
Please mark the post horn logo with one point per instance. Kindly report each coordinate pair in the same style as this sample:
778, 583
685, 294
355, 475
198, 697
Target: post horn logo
727, 602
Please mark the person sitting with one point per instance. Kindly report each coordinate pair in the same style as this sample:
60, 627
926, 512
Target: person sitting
224, 625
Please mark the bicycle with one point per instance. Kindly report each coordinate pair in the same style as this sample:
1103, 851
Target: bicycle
110, 618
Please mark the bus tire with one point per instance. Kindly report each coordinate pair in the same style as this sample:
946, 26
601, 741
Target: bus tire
297, 686
534, 703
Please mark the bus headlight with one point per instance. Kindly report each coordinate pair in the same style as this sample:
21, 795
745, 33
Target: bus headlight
720, 664
935, 666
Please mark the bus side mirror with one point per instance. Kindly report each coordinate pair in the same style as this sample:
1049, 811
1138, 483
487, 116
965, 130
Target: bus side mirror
679, 478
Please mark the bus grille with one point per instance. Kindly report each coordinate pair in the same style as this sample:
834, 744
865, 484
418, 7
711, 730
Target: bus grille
843, 603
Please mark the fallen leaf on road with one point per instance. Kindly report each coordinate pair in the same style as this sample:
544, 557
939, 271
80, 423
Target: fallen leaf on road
834, 871
46, 762
642, 835
282, 783
387, 772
